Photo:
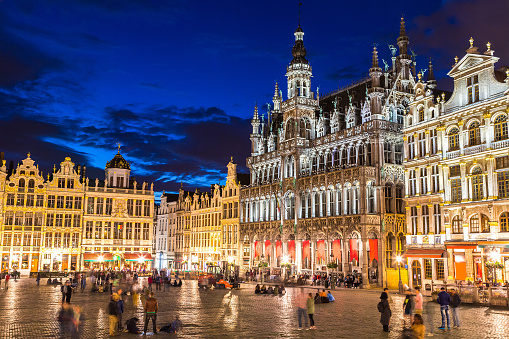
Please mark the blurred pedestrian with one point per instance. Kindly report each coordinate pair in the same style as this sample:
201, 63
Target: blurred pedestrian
7, 277
418, 329
455, 303
151, 307
408, 305
38, 279
444, 299
113, 313
68, 321
120, 310
385, 310
418, 301
301, 303
150, 283
310, 305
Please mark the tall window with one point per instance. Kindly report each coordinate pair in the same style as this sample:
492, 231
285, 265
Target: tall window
413, 182
339, 206
425, 219
323, 209
331, 211
456, 225
435, 187
316, 197
433, 141
473, 89
477, 182
504, 222
400, 208
422, 144
454, 139
485, 226
437, 218
421, 114
411, 147
388, 250
387, 152
456, 190
424, 180
474, 223
428, 272
439, 265
388, 198
501, 127
503, 184
413, 218
303, 205
474, 134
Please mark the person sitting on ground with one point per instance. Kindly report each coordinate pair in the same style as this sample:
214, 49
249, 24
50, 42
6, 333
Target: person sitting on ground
49, 281
324, 297
175, 284
318, 299
263, 290
131, 326
418, 327
257, 289
282, 290
330, 296
270, 290
177, 325
276, 289
180, 283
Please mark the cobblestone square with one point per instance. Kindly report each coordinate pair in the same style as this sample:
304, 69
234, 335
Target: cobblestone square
28, 311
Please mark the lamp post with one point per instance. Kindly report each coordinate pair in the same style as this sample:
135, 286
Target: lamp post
285, 262
400, 283
230, 262
333, 281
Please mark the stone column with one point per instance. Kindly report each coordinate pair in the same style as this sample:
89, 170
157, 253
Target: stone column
405, 148
408, 220
461, 137
491, 168
450, 264
298, 255
419, 220
364, 242
418, 182
470, 263
428, 143
429, 169
488, 130
431, 219
440, 149
470, 190
407, 183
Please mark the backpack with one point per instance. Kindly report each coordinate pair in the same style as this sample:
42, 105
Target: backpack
380, 306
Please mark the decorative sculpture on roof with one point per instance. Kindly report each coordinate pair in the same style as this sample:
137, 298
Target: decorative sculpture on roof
366, 112
393, 50
386, 66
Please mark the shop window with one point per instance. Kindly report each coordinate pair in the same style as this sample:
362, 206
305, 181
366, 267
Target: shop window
439, 269
428, 271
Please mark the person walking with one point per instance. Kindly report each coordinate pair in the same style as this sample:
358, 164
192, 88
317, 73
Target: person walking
66, 292
7, 277
83, 282
418, 301
444, 299
150, 283
408, 305
385, 311
113, 312
310, 306
38, 279
151, 307
301, 303
455, 303
120, 310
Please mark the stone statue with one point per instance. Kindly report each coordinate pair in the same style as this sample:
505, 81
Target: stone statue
393, 50
386, 66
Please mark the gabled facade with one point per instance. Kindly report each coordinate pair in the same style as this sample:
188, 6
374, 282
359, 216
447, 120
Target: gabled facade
456, 173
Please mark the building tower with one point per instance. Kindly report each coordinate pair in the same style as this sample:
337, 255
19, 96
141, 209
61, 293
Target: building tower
298, 73
403, 57
376, 92
118, 171
255, 136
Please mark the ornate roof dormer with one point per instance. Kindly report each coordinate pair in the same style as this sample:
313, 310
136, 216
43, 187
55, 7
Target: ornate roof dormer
118, 161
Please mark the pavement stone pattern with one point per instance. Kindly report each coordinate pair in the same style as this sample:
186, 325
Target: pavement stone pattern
29, 311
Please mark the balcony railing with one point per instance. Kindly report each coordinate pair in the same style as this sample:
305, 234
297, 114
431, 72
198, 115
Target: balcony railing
500, 144
453, 154
475, 149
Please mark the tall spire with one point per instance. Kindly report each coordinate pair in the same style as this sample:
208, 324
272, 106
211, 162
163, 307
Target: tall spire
255, 114
375, 58
432, 83
402, 29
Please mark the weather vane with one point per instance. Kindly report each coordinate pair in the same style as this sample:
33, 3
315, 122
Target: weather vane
118, 146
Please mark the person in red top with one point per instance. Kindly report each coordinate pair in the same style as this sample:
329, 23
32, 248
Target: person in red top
150, 283
7, 277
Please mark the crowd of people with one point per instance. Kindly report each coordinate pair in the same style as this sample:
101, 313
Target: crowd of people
276, 290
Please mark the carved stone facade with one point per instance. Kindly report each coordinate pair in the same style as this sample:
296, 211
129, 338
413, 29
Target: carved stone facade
327, 173
457, 174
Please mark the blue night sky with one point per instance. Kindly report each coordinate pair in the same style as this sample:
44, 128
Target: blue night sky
175, 82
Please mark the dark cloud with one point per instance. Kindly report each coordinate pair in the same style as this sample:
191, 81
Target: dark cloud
351, 72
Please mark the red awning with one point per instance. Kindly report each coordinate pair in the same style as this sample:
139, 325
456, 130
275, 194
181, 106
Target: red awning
424, 253
97, 256
461, 246
137, 256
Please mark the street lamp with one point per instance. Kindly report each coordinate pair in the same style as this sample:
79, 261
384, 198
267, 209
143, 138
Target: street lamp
399, 259
285, 261
332, 280
230, 262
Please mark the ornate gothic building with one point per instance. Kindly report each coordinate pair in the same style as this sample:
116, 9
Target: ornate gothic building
326, 172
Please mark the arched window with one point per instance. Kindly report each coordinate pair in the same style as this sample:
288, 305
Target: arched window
337, 157
474, 223
303, 205
416, 273
371, 199
323, 203
456, 225
328, 156
339, 206
400, 244
421, 114
474, 134
504, 222
31, 183
331, 210
477, 182
290, 206
316, 197
21, 183
501, 127
290, 129
454, 140
305, 128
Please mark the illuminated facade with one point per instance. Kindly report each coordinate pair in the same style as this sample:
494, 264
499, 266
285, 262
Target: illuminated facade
64, 224
118, 220
164, 232
327, 175
457, 174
